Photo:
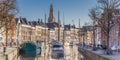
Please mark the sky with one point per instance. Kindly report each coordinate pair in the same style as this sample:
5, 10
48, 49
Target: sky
72, 10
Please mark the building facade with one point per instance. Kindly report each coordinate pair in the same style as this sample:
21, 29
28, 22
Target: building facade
25, 30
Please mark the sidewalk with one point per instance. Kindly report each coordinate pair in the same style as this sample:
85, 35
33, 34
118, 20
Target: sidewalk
114, 56
9, 51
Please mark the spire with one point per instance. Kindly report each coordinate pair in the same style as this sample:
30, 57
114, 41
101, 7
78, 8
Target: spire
51, 14
51, 6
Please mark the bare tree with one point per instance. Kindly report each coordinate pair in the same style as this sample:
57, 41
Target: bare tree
103, 15
7, 12
94, 16
7, 9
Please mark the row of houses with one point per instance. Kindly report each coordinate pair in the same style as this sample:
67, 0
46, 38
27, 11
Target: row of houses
24, 30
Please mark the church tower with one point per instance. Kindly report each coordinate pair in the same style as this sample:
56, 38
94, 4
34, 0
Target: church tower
51, 18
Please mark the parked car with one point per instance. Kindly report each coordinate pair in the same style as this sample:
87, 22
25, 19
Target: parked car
101, 46
115, 48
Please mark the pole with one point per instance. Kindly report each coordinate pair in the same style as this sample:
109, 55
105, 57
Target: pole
18, 26
45, 38
79, 38
18, 31
118, 34
83, 37
49, 44
45, 27
108, 17
5, 45
94, 28
58, 26
73, 57
79, 31
64, 36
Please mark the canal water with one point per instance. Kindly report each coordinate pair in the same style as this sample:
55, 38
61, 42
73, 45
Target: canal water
31, 51
71, 53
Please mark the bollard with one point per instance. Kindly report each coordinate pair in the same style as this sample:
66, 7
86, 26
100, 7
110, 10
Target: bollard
6, 57
4, 50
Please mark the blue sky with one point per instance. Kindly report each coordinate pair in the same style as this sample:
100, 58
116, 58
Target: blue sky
72, 9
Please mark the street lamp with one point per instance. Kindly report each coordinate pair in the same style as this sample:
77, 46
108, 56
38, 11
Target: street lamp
94, 44
117, 38
49, 41
109, 24
18, 31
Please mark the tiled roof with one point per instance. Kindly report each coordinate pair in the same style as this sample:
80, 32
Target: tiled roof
22, 20
32, 23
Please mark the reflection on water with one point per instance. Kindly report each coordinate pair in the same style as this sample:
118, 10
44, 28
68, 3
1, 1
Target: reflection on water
30, 50
69, 57
70, 53
26, 58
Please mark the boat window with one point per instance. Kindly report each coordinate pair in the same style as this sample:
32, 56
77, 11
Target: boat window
56, 54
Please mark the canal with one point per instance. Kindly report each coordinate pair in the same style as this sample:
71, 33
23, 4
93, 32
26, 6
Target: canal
70, 53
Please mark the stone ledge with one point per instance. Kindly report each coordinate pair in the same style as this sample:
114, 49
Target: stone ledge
11, 54
90, 55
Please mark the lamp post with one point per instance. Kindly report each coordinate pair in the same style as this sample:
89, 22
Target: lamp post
117, 32
63, 35
82, 34
49, 42
109, 23
83, 38
94, 29
18, 32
